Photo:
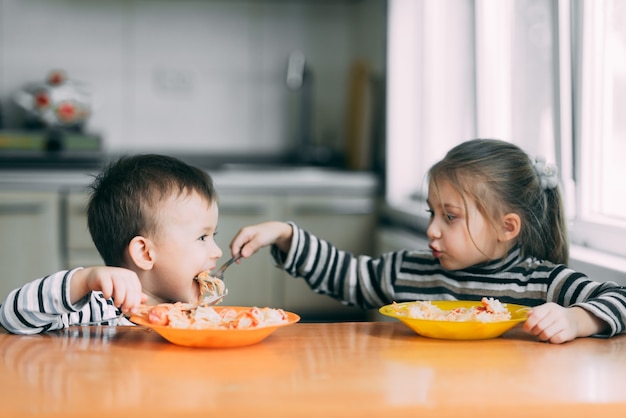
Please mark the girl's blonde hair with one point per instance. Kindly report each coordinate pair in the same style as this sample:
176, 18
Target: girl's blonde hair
500, 178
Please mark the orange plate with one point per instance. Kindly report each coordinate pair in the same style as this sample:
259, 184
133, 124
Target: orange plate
216, 338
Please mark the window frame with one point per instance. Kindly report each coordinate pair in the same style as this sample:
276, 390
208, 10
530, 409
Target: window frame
587, 228
574, 129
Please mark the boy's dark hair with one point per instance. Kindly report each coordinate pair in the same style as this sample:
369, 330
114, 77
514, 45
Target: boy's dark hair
125, 193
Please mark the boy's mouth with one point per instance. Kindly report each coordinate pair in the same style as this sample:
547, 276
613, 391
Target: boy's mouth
210, 287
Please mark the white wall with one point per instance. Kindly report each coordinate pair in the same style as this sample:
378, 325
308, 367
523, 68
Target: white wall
193, 75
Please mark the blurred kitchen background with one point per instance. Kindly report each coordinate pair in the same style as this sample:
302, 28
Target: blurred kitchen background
324, 112
229, 79
282, 101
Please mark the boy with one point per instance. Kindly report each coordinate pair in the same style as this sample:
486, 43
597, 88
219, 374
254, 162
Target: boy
153, 220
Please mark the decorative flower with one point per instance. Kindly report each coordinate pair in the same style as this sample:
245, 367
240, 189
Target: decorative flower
548, 173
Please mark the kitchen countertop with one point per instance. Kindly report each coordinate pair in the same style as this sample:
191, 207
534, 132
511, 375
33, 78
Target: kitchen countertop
309, 369
239, 178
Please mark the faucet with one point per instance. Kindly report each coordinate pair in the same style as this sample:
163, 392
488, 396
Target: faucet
299, 77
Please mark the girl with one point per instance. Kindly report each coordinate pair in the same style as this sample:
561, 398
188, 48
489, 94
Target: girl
496, 229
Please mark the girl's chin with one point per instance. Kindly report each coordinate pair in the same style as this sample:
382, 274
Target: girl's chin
448, 265
453, 267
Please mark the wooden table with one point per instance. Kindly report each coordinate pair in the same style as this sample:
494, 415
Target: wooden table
323, 369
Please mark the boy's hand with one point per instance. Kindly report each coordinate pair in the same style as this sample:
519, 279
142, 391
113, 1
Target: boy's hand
122, 285
556, 324
252, 238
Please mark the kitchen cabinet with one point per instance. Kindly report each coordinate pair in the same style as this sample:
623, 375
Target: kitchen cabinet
78, 248
349, 224
51, 222
29, 237
346, 221
253, 281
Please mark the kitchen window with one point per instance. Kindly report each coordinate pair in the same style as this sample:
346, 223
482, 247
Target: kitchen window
546, 75
600, 97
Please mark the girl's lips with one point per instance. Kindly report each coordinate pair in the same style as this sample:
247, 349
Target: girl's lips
436, 253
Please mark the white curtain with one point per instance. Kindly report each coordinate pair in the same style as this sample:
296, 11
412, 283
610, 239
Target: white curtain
459, 69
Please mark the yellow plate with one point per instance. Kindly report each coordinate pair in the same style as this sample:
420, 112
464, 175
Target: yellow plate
216, 338
457, 330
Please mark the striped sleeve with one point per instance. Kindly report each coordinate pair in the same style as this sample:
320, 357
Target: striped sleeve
354, 280
402, 276
398, 276
605, 300
44, 305
406, 275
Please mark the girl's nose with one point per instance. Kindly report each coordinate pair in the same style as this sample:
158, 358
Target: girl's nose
433, 231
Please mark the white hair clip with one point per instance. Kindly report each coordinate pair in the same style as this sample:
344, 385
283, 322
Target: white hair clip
548, 173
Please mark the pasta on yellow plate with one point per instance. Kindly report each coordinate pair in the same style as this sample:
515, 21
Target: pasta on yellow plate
490, 310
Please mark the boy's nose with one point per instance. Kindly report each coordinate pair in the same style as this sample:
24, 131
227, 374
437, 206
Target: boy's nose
216, 252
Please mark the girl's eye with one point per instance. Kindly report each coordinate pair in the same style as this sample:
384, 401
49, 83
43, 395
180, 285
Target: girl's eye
449, 217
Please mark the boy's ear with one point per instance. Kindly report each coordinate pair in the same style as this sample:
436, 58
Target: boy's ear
510, 227
141, 252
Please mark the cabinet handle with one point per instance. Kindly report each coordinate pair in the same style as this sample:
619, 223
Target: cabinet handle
360, 208
21, 209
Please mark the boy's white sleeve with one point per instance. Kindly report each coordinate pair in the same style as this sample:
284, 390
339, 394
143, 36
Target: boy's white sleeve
41, 305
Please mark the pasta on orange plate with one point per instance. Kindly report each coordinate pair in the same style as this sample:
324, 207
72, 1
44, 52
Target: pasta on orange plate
490, 310
203, 316
210, 287
193, 316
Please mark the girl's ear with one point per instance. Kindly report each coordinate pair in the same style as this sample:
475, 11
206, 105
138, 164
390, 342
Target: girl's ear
510, 227
141, 252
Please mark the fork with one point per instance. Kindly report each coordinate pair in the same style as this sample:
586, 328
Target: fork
210, 301
220, 272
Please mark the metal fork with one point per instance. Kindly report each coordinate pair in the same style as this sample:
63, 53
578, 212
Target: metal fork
219, 274
210, 301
